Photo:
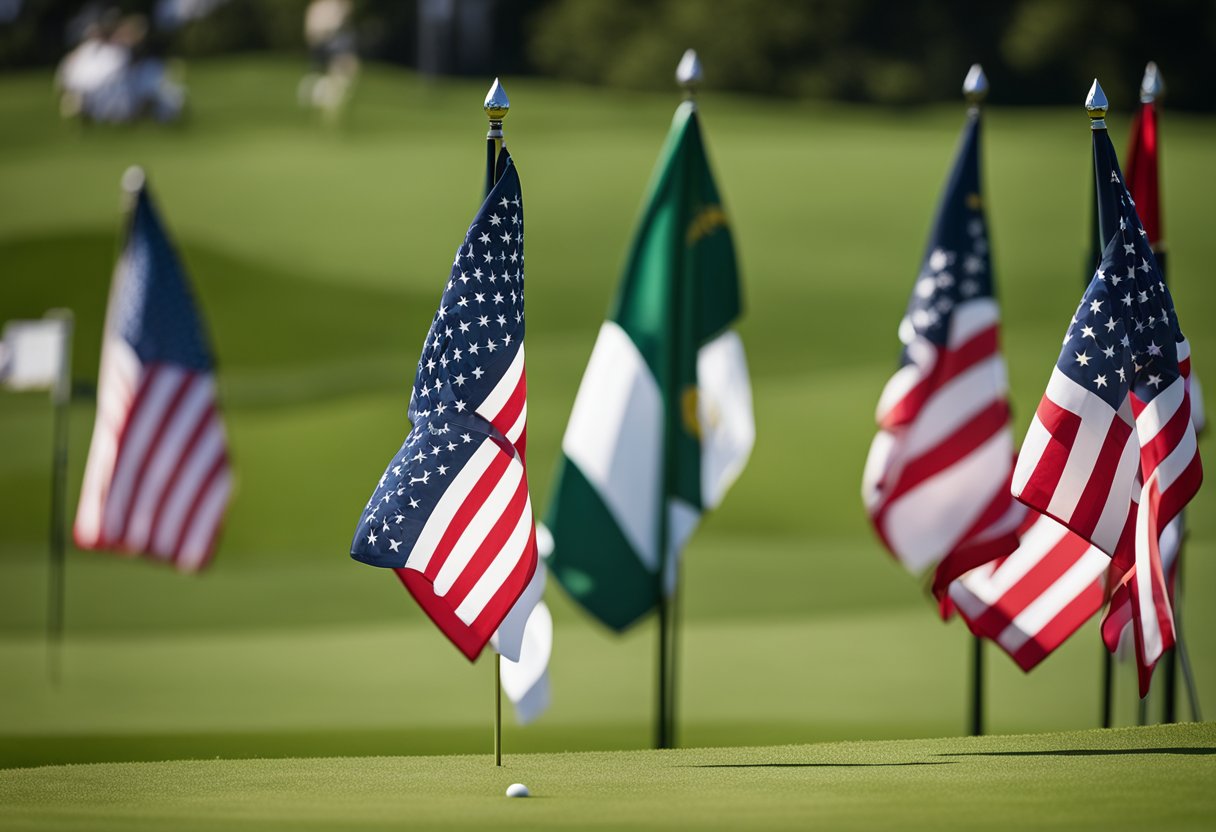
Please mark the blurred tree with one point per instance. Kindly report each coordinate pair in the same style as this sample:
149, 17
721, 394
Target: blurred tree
1035, 51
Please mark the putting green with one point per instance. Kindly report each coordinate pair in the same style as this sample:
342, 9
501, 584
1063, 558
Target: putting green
1136, 778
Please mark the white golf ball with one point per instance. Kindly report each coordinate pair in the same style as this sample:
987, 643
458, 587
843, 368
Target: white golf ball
517, 790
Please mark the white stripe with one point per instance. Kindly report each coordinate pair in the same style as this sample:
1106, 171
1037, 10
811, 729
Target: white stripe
1096, 417
479, 527
1047, 606
971, 318
1039, 540
145, 419
1119, 498
1033, 446
1174, 465
964, 591
615, 438
517, 429
210, 514
928, 521
1157, 413
451, 501
1142, 584
903, 382
954, 404
724, 414
502, 392
165, 458
499, 569
211, 446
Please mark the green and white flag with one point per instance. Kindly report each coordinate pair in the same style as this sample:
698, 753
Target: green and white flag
663, 417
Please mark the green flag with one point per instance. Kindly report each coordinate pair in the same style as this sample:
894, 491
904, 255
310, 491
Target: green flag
663, 417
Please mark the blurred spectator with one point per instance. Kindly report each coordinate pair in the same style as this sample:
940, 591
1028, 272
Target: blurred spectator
112, 76
330, 36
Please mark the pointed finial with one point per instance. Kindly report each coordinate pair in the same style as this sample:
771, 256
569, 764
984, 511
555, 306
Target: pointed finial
1153, 85
1095, 105
133, 179
688, 73
975, 85
497, 103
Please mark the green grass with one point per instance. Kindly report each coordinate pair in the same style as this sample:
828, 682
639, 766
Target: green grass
1155, 778
318, 255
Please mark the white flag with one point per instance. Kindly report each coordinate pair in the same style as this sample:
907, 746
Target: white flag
524, 642
32, 353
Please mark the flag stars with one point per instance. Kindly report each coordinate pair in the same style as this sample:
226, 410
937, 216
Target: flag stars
1095, 305
465, 438
1153, 349
414, 503
478, 372
1144, 266
394, 545
398, 518
458, 380
1083, 359
1154, 381
460, 405
1129, 248
1087, 332
1127, 299
1109, 352
443, 470
371, 538
483, 320
1100, 381
495, 220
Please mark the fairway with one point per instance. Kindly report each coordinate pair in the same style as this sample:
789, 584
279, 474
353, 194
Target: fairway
1073, 781
319, 254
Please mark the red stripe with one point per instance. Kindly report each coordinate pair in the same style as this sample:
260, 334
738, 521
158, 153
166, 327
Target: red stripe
513, 406
1167, 439
1062, 425
950, 451
1097, 491
221, 462
967, 555
1049, 569
512, 588
950, 363
1057, 631
153, 448
1175, 498
490, 547
141, 391
467, 511
188, 450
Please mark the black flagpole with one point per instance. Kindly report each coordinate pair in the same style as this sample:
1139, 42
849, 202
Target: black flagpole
975, 90
496, 106
61, 399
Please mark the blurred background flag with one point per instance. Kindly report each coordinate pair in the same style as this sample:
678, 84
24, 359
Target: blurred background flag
158, 476
1111, 451
32, 353
452, 514
936, 482
662, 423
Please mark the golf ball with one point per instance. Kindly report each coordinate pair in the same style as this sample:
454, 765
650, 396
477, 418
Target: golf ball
517, 790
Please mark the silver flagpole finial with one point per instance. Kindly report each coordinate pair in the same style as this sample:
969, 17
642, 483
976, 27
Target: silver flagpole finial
688, 73
1152, 86
497, 104
975, 85
1095, 106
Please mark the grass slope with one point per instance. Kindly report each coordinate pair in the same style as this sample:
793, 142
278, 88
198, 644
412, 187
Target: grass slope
1155, 778
318, 256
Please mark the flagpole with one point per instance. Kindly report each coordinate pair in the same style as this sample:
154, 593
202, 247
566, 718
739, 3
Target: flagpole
496, 106
975, 90
61, 399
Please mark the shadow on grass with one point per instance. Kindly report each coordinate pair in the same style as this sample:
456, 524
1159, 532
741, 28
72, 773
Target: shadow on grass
1087, 752
823, 765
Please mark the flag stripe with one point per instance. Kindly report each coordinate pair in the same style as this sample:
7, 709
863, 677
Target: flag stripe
453, 501
491, 532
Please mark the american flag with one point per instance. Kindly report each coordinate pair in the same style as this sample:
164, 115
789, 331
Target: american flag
1111, 451
1143, 183
451, 513
936, 484
158, 477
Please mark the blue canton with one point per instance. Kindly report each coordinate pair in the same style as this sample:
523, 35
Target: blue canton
956, 266
1124, 336
154, 310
